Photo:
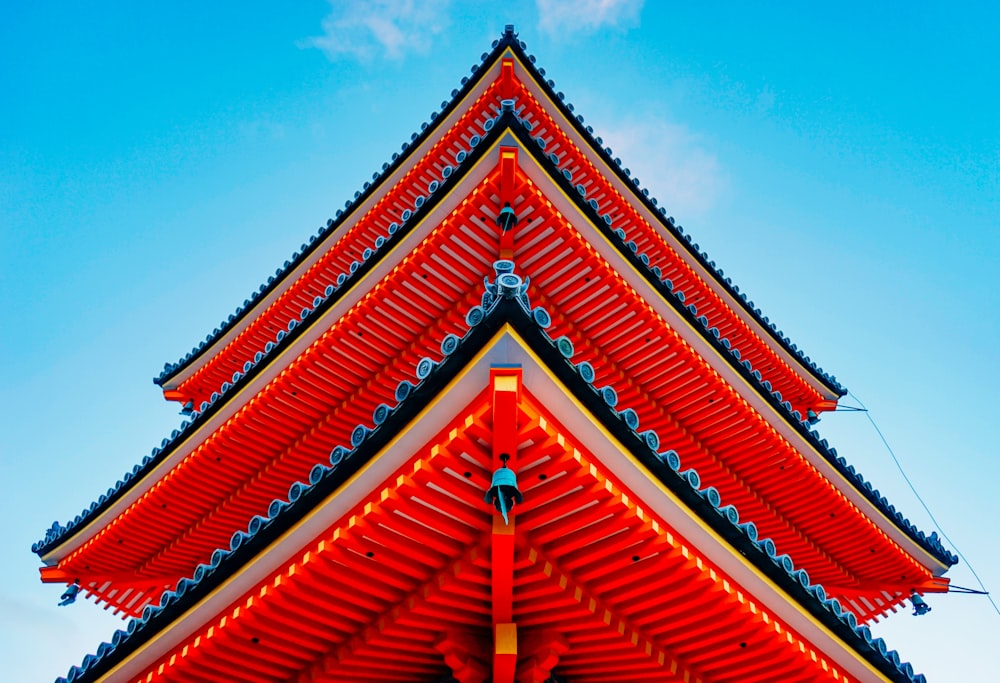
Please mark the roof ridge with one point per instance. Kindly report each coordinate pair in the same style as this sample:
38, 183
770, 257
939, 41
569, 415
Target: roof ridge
332, 292
342, 215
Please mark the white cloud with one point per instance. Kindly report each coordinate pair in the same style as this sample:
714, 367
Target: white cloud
559, 17
379, 28
670, 161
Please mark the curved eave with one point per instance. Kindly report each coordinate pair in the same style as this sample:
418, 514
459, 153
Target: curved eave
509, 335
372, 271
364, 201
261, 372
711, 275
777, 413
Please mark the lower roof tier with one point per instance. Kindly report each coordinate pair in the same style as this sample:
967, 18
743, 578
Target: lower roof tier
389, 565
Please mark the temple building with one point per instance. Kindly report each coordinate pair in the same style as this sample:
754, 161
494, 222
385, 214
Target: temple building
500, 419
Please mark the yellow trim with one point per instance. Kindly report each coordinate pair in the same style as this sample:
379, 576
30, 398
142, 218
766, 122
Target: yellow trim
746, 385
676, 245
698, 520
506, 639
235, 399
929, 561
444, 395
505, 383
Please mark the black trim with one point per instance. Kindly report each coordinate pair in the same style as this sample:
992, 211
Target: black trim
348, 212
505, 312
291, 335
682, 238
692, 319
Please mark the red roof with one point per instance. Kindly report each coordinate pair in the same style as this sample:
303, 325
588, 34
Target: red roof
333, 338
398, 574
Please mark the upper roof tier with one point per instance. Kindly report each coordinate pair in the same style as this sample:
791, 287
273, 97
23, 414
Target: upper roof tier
505, 73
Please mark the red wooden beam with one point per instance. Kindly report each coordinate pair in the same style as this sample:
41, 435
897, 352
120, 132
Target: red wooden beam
508, 178
507, 79
504, 653
506, 386
503, 570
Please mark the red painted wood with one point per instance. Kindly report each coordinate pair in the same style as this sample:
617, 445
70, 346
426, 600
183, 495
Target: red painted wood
275, 439
588, 613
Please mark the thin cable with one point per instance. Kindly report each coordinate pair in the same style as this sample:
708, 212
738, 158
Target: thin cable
961, 590
923, 504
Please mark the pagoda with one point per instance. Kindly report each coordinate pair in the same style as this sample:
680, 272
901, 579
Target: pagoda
502, 420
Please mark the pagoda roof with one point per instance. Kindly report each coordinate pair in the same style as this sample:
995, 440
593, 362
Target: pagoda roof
510, 127
240, 578
272, 297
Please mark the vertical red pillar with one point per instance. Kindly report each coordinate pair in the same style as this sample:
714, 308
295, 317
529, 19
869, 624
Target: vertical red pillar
508, 178
507, 81
506, 386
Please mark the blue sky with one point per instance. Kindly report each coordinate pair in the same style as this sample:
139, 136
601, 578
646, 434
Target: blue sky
156, 165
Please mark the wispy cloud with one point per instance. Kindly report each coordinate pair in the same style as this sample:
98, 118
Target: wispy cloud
671, 161
379, 28
559, 17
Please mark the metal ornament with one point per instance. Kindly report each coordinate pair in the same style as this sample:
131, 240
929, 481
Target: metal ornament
507, 219
920, 607
503, 492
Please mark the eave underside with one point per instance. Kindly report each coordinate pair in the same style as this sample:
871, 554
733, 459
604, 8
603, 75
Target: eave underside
401, 587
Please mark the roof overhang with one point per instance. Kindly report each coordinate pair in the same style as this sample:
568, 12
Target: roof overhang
581, 139
553, 383
506, 135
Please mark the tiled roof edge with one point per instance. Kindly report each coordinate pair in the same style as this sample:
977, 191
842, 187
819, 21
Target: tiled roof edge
508, 39
930, 542
521, 129
58, 533
342, 215
668, 223
504, 301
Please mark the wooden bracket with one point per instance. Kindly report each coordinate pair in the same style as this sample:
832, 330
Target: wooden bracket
459, 650
541, 651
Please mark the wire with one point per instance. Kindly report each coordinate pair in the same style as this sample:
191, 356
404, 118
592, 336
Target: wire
952, 588
899, 466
